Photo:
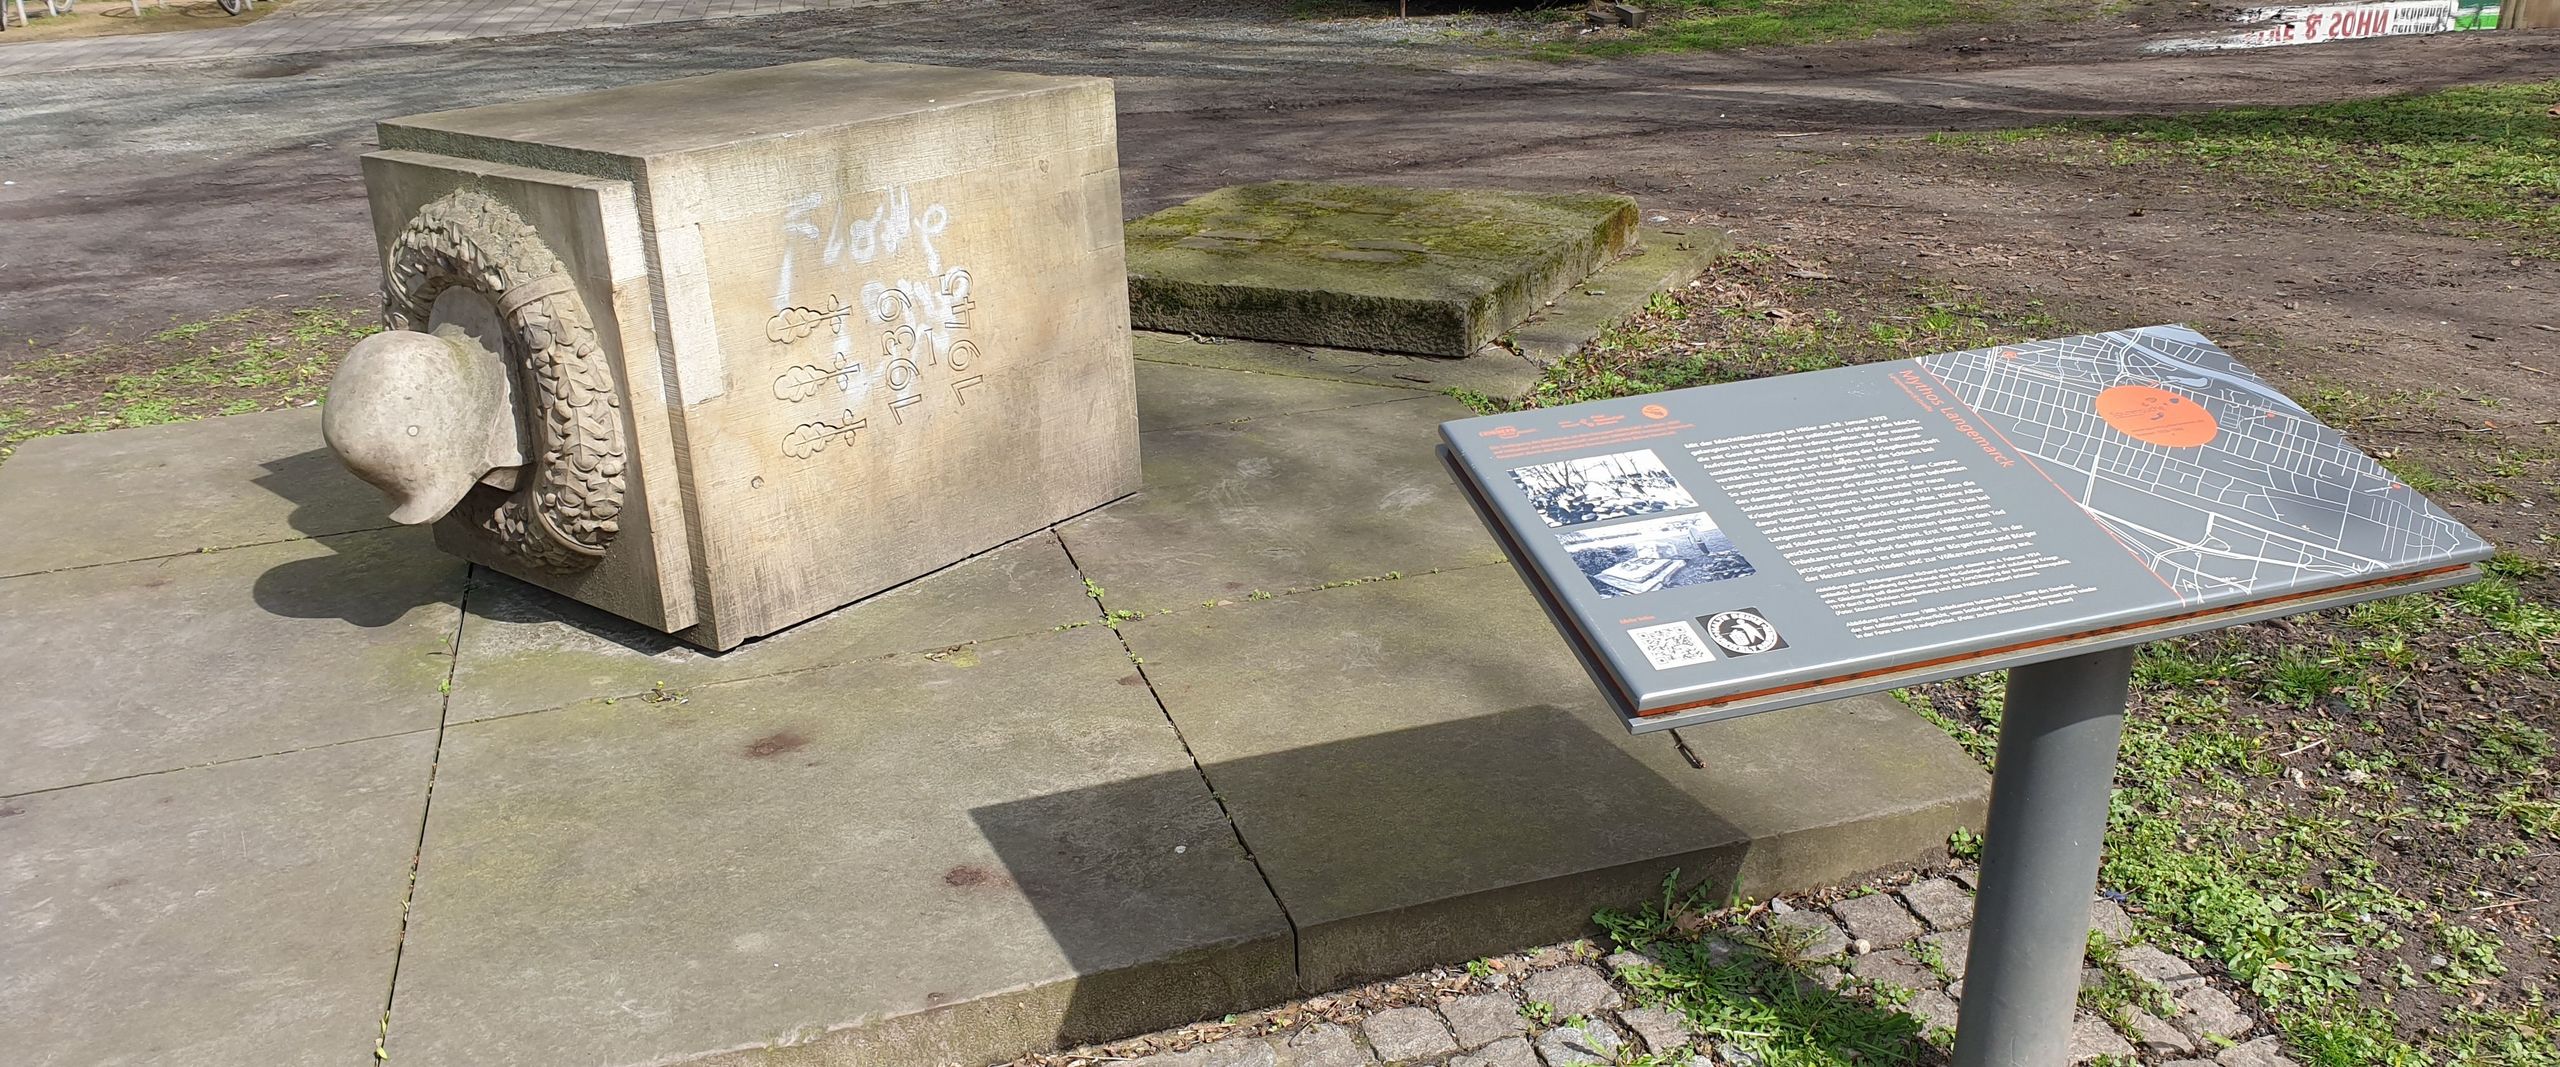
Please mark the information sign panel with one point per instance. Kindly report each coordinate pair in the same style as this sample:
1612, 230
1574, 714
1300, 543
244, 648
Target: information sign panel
1745, 547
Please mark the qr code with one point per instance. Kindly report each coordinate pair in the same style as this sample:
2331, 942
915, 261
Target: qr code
1672, 644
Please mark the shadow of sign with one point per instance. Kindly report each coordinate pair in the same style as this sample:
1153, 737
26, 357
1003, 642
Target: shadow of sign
1389, 852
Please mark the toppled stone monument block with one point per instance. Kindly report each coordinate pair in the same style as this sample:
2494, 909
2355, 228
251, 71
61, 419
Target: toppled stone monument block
1437, 272
725, 353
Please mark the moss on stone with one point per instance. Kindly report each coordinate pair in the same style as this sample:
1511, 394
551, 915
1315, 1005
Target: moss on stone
1434, 271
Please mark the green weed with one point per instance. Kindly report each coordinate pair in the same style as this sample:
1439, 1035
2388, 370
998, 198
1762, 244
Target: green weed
1740, 997
1717, 25
2480, 155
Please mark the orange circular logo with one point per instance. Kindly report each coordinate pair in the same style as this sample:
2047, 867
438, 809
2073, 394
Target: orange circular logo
2152, 415
1656, 411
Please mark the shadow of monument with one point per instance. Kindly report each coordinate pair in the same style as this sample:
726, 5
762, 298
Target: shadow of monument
326, 499
370, 578
1387, 853
504, 598
374, 573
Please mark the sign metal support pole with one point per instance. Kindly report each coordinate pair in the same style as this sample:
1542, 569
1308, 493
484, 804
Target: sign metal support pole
2059, 732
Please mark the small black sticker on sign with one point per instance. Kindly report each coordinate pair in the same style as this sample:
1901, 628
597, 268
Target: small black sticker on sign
1743, 632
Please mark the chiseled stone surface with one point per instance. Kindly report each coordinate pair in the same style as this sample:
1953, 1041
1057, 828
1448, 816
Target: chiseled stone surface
1320, 1045
153, 919
1579, 1046
1484, 1018
157, 664
1893, 967
1934, 1009
2158, 968
1622, 961
1955, 947
1508, 1052
2210, 1013
1661, 1031
1819, 936
1941, 902
1232, 1052
2263, 1052
2092, 1037
1878, 919
2108, 917
185, 487
1571, 990
637, 882
2157, 1037
1405, 1035
1431, 271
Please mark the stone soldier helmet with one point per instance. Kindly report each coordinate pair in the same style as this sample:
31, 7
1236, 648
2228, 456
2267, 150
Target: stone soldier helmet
423, 417
490, 374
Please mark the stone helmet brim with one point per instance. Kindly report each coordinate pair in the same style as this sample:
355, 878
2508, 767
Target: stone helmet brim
410, 413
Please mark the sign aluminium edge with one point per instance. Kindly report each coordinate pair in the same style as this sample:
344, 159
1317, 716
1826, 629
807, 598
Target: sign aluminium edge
1746, 547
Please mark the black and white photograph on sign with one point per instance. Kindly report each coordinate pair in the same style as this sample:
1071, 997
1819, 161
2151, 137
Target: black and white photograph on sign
1665, 553
1616, 486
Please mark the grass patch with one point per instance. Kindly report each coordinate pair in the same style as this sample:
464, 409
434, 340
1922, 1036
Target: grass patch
249, 360
1717, 25
1744, 321
2485, 156
2265, 828
2351, 814
1741, 986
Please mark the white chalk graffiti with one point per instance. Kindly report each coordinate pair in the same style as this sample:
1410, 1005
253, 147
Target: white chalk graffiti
922, 323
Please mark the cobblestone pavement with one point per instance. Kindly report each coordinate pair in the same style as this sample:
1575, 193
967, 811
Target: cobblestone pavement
331, 25
1569, 1005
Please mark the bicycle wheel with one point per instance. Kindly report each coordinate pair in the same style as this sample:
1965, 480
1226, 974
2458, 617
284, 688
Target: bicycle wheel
232, 7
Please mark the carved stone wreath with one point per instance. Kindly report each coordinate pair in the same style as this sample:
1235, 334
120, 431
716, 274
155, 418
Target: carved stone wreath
566, 506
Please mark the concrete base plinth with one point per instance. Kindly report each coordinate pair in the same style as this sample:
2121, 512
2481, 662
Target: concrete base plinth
961, 820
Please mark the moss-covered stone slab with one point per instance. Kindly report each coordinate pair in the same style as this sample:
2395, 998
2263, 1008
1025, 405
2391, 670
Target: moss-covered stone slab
1431, 271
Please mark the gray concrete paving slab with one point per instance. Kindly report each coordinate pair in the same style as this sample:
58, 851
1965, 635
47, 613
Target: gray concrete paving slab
1281, 503
82, 499
157, 664
1666, 259
908, 860
1492, 371
1175, 396
1426, 774
247, 913
525, 648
